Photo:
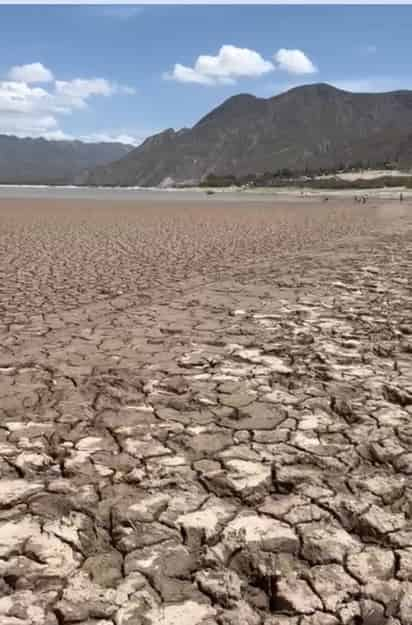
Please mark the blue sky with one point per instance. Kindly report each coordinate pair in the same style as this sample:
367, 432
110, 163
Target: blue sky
126, 72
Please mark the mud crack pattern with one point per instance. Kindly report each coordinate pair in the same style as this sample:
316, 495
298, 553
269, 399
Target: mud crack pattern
234, 450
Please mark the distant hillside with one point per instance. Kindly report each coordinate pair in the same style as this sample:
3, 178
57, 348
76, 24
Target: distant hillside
306, 128
37, 161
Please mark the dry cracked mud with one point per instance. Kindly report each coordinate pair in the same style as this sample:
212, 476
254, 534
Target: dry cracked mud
205, 414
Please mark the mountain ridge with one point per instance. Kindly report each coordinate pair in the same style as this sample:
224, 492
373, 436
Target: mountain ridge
36, 160
304, 128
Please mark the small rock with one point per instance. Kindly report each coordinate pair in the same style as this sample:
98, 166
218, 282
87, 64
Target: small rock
372, 563
295, 595
186, 613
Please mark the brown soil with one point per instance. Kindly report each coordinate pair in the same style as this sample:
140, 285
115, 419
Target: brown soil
205, 413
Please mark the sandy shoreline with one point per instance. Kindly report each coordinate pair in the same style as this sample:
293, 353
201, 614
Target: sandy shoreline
198, 194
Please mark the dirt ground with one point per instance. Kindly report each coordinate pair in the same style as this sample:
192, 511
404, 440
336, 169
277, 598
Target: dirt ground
205, 412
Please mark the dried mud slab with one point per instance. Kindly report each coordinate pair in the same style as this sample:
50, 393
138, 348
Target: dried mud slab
226, 442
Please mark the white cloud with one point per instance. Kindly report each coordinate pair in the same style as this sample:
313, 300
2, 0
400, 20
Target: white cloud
228, 65
181, 73
84, 88
21, 98
47, 129
77, 91
375, 84
31, 125
111, 138
57, 135
294, 62
31, 73
30, 110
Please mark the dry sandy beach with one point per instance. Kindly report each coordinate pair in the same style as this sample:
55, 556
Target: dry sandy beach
205, 411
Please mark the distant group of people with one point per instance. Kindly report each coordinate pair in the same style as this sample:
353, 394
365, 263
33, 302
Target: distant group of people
362, 198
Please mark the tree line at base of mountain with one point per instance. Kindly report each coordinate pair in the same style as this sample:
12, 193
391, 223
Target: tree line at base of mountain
360, 183
285, 177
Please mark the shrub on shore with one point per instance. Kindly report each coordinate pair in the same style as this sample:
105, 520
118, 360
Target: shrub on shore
285, 178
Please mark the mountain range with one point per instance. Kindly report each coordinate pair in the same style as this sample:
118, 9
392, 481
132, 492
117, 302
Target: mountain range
40, 161
306, 128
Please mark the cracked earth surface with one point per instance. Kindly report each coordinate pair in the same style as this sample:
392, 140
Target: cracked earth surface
205, 414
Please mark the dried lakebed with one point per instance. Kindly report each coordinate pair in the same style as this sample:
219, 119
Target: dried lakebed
231, 447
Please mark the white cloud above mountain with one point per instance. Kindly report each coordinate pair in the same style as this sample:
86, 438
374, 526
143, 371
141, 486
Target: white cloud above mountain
229, 64
232, 63
27, 109
84, 88
294, 62
373, 84
27, 124
30, 73
110, 137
